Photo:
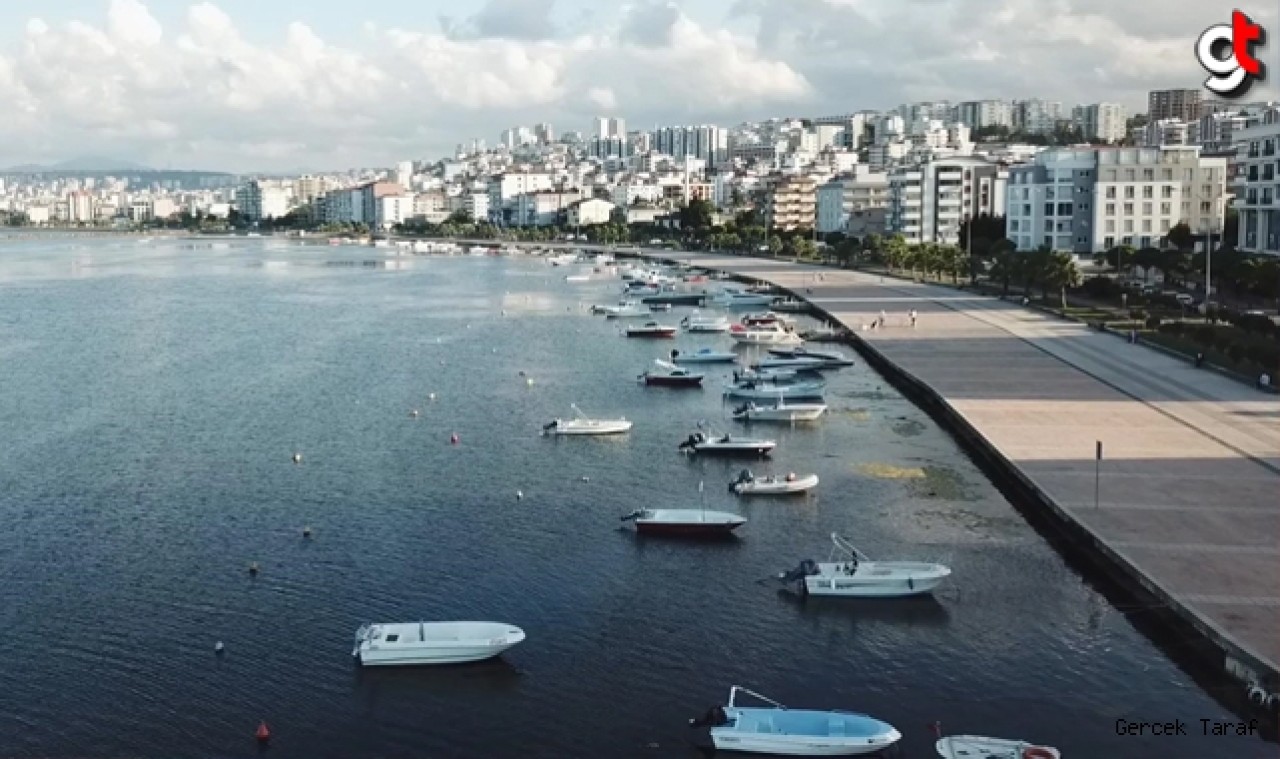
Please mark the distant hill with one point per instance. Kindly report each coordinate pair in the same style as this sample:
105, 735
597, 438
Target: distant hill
82, 163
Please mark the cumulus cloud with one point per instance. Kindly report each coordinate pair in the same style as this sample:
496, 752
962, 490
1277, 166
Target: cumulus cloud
198, 92
203, 94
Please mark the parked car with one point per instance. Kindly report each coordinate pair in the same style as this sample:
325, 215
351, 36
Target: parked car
1185, 299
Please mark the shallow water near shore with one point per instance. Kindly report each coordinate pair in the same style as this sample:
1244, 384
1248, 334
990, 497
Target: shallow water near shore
154, 394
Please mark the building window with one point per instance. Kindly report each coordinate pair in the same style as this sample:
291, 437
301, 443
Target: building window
1111, 225
1111, 209
1146, 225
1013, 225
1109, 242
1128, 175
1164, 225
1186, 209
1166, 209
1026, 209
1166, 175
1127, 240
1128, 209
1026, 193
1111, 193
1128, 225
1148, 192
1146, 209
1048, 209
1048, 193
1166, 192
1148, 174
1064, 209
1048, 226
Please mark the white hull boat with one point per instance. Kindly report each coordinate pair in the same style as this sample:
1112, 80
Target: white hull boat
793, 484
978, 747
779, 376
772, 391
670, 375
770, 335
576, 278
584, 426
795, 364
704, 356
848, 573
685, 522
625, 310
696, 323
780, 412
829, 359
734, 299
727, 445
776, 729
409, 643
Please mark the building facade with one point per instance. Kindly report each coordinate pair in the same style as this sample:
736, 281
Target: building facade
1101, 121
928, 203
1173, 104
1257, 198
792, 203
1089, 200
847, 198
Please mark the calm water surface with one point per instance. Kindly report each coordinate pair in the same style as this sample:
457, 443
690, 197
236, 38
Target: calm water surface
152, 394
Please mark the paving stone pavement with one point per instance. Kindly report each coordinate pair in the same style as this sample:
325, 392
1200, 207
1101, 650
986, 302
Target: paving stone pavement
1190, 476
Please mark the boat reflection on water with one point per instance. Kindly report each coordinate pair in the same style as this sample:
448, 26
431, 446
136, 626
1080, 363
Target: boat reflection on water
478, 679
916, 611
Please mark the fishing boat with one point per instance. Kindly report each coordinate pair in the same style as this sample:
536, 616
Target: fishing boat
777, 729
704, 356
651, 329
780, 411
726, 445
624, 310
773, 334
980, 747
581, 425
696, 323
831, 359
748, 484
670, 375
755, 390
849, 573
408, 643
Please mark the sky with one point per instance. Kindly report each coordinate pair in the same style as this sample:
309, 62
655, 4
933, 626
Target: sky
273, 86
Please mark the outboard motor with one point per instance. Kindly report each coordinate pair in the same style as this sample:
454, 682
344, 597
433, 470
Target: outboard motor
714, 717
806, 568
742, 409
551, 425
674, 354
633, 515
689, 442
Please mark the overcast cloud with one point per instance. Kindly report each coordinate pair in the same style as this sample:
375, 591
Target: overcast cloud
210, 87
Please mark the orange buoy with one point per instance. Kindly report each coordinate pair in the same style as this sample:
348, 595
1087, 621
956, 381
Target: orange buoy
263, 733
453, 438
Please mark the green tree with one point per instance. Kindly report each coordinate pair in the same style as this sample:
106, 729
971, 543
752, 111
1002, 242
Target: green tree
775, 245
1059, 273
1005, 264
1148, 259
833, 238
697, 215
459, 218
1181, 238
804, 248
895, 252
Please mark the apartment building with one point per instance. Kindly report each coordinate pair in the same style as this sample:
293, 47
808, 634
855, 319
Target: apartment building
506, 187
1088, 200
1170, 132
977, 114
1100, 121
792, 203
849, 197
707, 142
1036, 116
928, 202
1174, 104
1257, 197
257, 200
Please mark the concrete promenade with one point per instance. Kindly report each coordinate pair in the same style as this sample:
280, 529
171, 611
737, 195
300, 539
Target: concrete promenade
1189, 494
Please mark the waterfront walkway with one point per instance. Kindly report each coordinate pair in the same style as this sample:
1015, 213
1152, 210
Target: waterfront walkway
1189, 491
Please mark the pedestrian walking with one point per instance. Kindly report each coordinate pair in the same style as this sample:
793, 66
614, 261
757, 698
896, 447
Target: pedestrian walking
912, 314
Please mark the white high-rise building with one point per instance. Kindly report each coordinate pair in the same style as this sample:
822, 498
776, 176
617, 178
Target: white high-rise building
606, 128
1257, 197
927, 203
1089, 200
1100, 121
544, 133
257, 200
707, 142
978, 114
1036, 116
404, 175
850, 197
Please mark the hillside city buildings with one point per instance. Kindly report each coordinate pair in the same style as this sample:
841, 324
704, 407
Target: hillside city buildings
918, 170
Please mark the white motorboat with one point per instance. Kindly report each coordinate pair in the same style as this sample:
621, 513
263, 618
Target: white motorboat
776, 729
704, 356
848, 573
651, 329
670, 375
737, 298
779, 376
726, 445
789, 306
576, 278
792, 484
771, 334
624, 310
581, 425
829, 359
979, 747
780, 411
799, 364
696, 323
752, 390
765, 319
685, 522
408, 643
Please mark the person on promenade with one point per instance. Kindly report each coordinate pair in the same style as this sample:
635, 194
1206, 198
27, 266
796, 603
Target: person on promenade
912, 314
1199, 360
1264, 381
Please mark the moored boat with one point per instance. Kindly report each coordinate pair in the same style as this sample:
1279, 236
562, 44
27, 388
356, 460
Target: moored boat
726, 445
780, 411
670, 375
696, 323
685, 522
747, 483
829, 359
981, 747
625, 309
753, 390
789, 306
766, 318
651, 329
409, 643
848, 573
581, 425
704, 356
777, 729
797, 364
771, 334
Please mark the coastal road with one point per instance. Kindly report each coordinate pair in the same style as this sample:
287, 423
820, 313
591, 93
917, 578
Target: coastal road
1189, 485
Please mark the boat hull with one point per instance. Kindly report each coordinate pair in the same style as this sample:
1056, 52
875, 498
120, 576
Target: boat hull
657, 334
673, 381
978, 747
888, 580
791, 745
734, 450
784, 415
409, 659
798, 486
395, 645
686, 529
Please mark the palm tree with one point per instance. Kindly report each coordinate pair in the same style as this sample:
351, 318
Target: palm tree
1060, 272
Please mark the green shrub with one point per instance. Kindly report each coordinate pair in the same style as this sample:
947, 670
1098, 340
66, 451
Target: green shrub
1153, 322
